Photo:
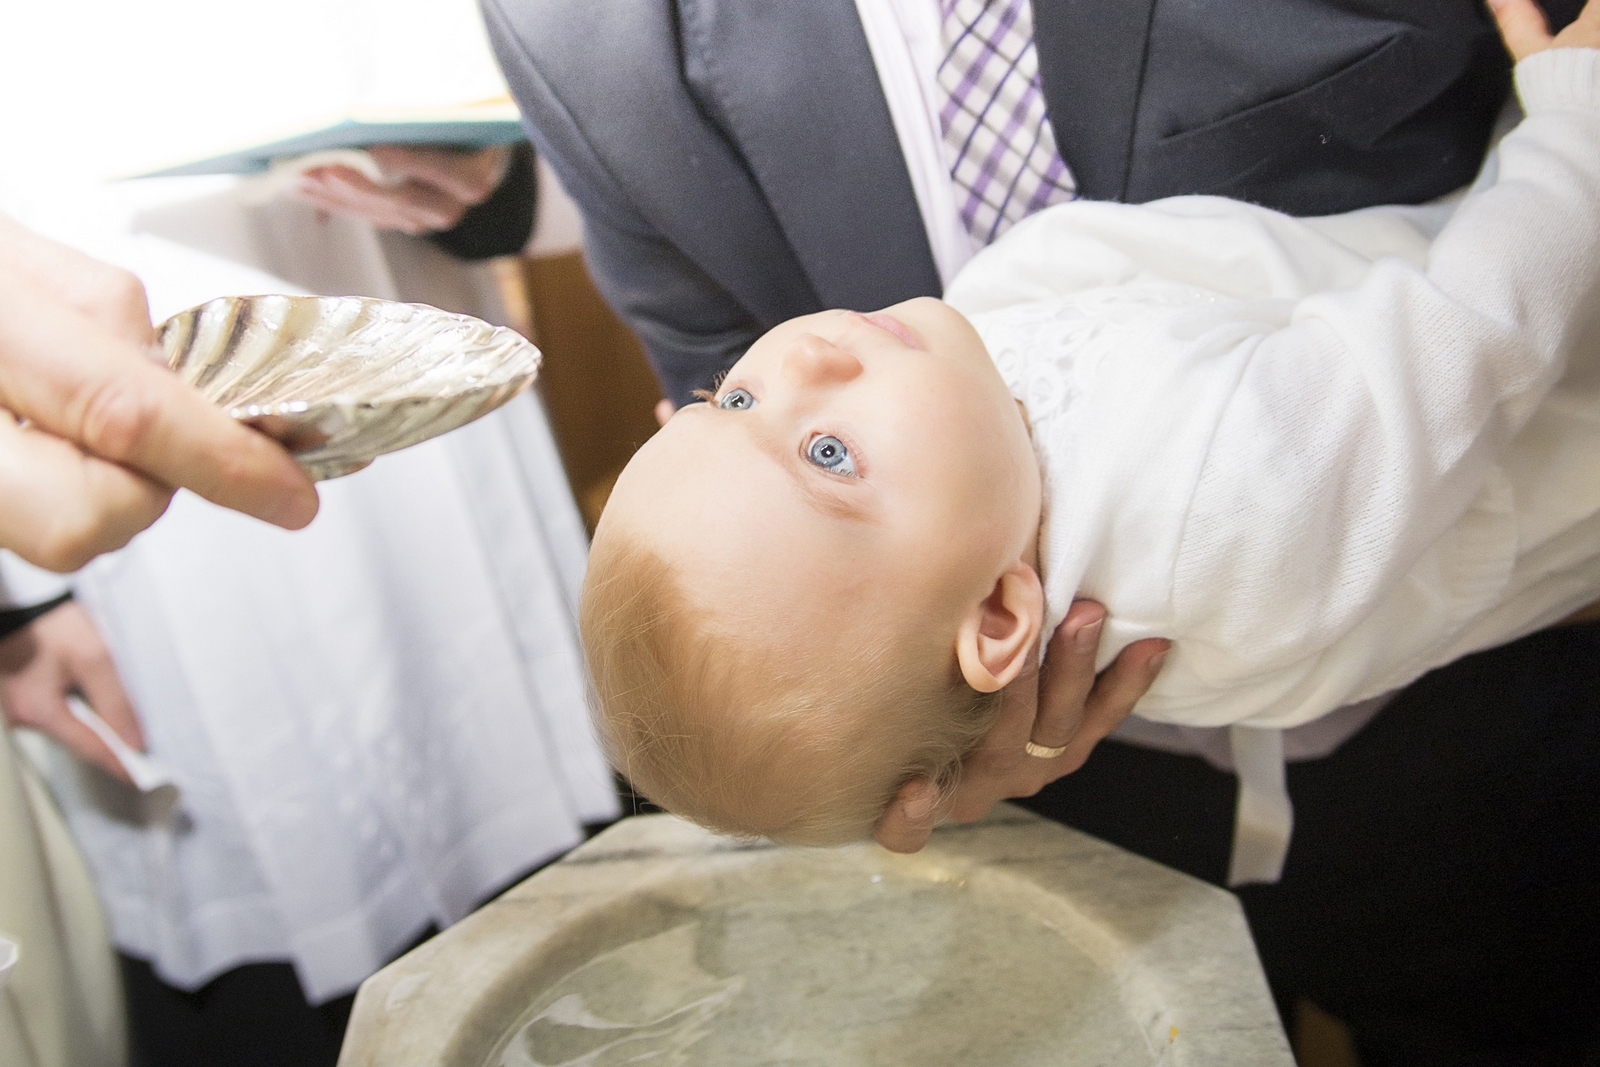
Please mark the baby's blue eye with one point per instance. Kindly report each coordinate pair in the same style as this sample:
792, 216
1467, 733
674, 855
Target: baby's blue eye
830, 454
736, 400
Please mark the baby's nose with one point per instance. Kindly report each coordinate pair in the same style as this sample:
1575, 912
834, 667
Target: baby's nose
814, 360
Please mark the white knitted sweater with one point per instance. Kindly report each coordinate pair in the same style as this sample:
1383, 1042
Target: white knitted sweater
1325, 455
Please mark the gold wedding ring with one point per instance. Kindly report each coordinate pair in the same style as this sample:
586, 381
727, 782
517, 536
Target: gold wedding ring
1043, 751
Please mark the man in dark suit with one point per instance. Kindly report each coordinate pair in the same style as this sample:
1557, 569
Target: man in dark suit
737, 164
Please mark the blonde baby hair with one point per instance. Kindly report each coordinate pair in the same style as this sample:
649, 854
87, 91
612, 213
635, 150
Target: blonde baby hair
736, 737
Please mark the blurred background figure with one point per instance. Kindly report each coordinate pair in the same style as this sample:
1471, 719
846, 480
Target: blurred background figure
377, 723
94, 440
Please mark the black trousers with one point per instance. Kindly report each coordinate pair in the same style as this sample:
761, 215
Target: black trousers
252, 1016
255, 1015
1442, 890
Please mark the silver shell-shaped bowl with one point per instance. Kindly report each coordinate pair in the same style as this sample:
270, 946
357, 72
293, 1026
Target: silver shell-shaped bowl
342, 380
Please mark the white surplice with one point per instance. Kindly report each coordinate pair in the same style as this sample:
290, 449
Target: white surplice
374, 722
378, 720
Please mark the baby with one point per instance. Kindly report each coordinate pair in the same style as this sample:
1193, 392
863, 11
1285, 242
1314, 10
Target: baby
1323, 456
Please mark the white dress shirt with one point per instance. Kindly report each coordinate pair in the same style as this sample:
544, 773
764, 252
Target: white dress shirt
904, 38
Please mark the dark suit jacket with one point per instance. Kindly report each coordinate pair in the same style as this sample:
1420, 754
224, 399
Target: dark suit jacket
736, 164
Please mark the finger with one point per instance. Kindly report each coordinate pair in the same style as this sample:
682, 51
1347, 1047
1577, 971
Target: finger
48, 714
345, 192
97, 680
468, 177
413, 206
1583, 31
63, 508
1069, 674
984, 787
84, 743
1115, 692
997, 768
908, 823
1121, 686
410, 203
990, 771
1522, 26
108, 295
665, 409
76, 381
1002, 747
1007, 770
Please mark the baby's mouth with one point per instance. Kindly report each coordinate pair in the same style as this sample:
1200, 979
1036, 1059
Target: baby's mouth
888, 322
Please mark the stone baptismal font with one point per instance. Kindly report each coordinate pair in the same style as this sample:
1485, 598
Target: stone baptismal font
1012, 942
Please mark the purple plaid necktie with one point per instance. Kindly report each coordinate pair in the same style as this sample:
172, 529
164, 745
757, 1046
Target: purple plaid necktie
997, 137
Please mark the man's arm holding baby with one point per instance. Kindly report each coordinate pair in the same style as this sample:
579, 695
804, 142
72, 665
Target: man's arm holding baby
1069, 707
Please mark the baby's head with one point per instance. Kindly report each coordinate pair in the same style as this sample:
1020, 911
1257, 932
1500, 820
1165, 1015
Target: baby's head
812, 589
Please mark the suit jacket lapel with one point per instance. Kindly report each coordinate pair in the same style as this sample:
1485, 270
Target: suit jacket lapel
1091, 61
792, 86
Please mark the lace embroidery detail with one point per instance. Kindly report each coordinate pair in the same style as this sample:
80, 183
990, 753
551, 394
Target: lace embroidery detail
1048, 352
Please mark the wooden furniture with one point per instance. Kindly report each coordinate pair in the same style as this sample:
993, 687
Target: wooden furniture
598, 388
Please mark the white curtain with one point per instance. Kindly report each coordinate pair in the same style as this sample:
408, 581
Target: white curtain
374, 722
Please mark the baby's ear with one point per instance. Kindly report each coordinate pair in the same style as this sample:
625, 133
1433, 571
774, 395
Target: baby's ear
1000, 632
